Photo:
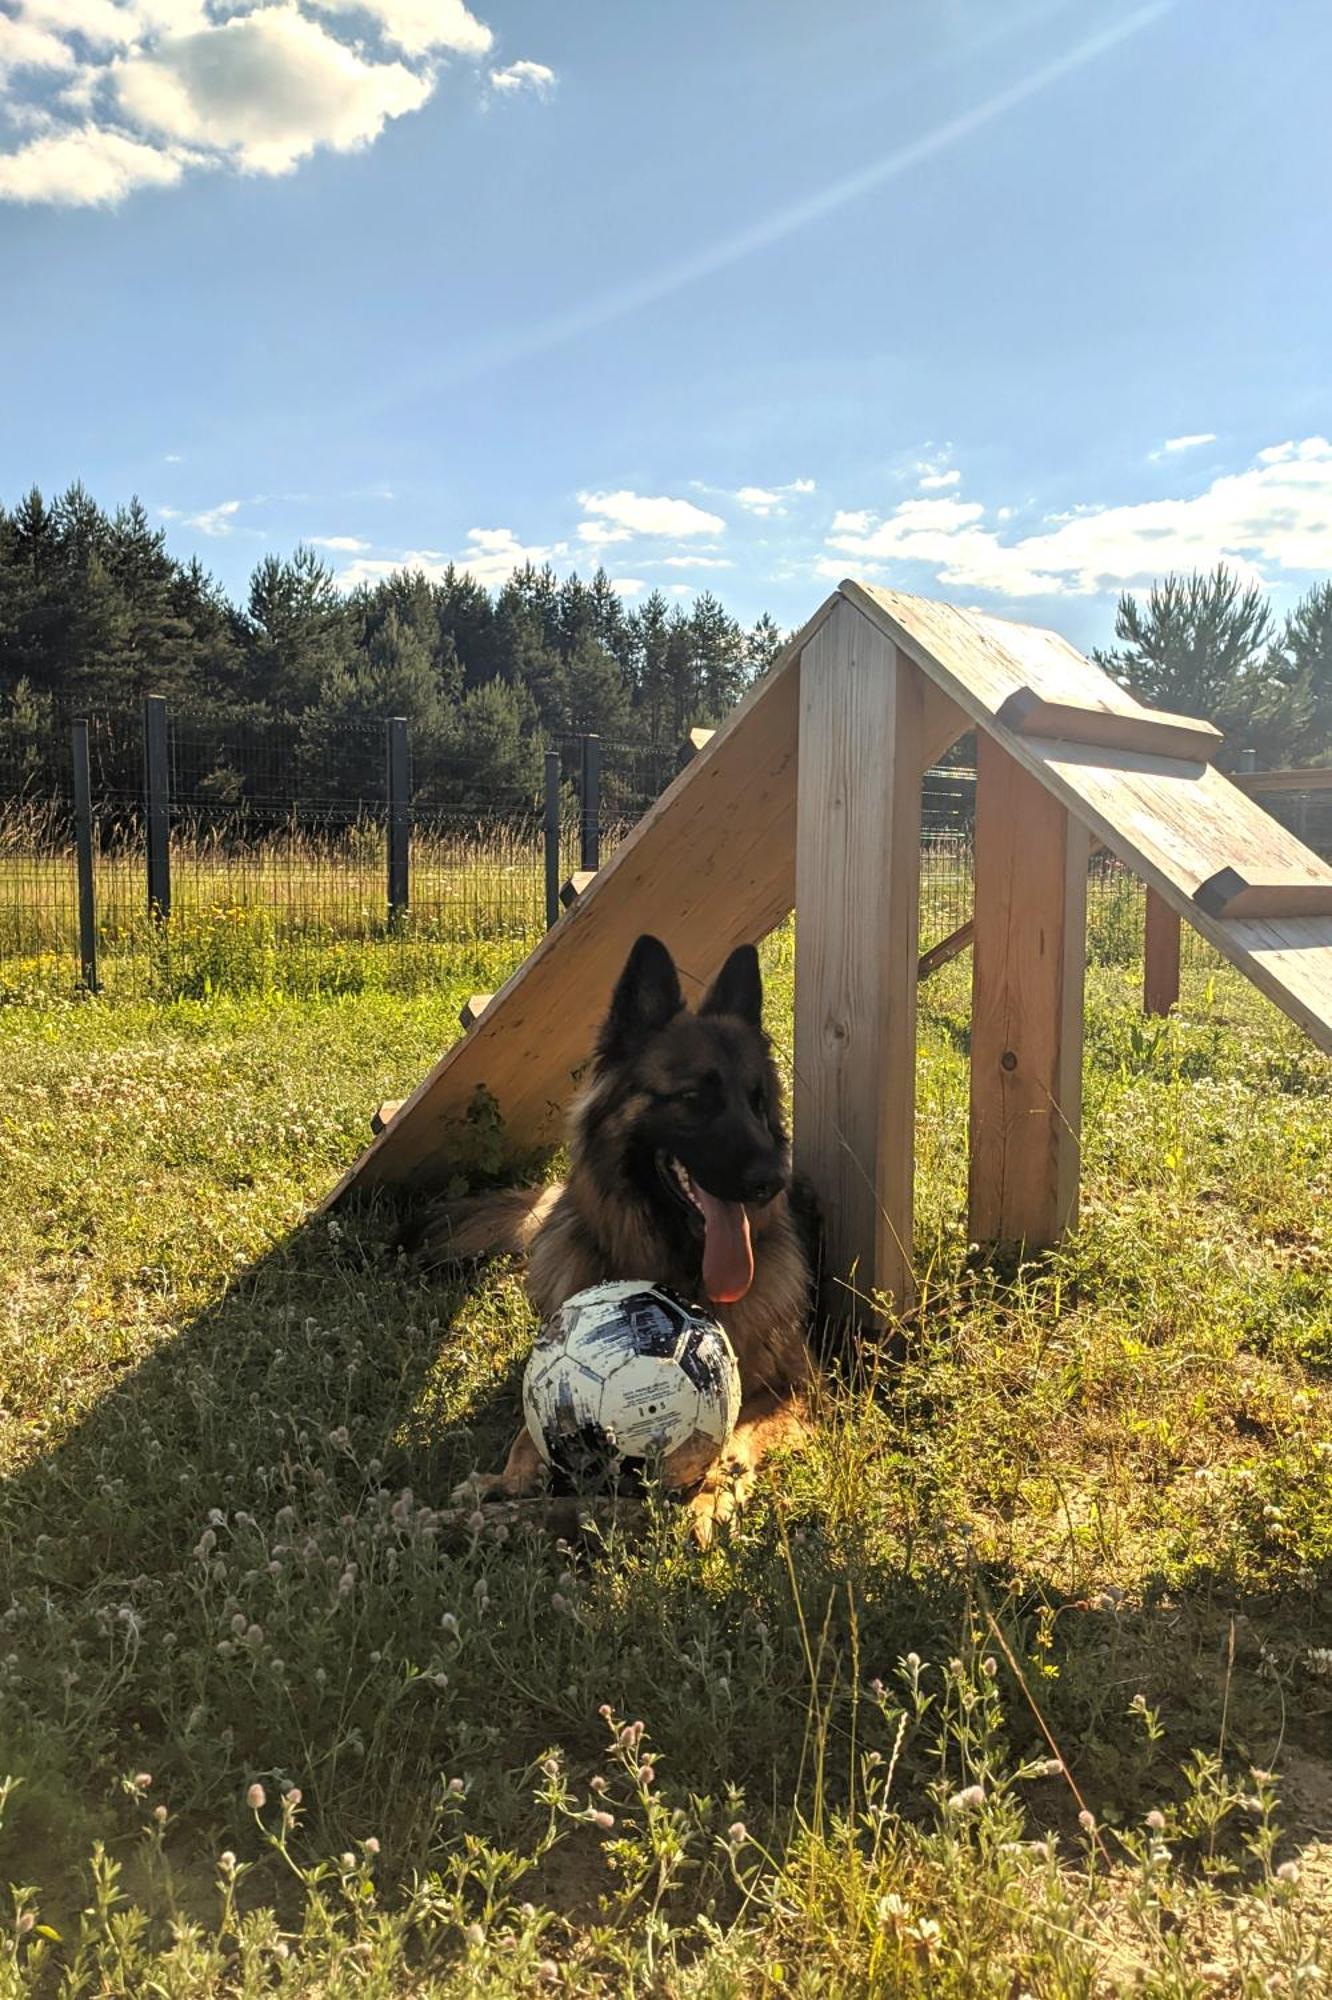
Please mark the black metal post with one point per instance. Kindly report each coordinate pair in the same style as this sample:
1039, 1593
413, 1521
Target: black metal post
591, 803
399, 819
157, 804
83, 847
552, 837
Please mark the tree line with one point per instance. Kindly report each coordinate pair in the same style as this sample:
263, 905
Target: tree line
95, 613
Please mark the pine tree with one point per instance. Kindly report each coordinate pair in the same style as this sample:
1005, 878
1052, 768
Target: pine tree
652, 694
1306, 659
296, 631
1203, 646
718, 660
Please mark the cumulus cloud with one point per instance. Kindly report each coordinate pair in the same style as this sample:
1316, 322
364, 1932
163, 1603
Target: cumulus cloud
213, 520
490, 555
935, 482
85, 165
520, 76
628, 586
1275, 515
159, 86
346, 545
619, 517
692, 562
419, 26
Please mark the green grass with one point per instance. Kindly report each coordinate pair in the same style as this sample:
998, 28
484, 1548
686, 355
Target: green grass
1083, 1509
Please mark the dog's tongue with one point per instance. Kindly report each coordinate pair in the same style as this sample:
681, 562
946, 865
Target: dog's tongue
728, 1255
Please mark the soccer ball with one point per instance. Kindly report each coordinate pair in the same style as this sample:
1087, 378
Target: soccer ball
629, 1373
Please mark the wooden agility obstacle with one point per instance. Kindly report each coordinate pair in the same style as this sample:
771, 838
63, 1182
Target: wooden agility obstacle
808, 797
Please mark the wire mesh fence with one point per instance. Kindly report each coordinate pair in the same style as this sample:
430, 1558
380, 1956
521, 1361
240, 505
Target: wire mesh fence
274, 840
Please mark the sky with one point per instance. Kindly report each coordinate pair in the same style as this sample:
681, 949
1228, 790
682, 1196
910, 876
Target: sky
1021, 303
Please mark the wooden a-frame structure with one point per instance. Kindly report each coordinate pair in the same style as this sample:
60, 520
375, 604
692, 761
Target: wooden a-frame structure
809, 798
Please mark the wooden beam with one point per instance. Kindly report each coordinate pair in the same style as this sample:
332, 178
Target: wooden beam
696, 740
862, 755
385, 1113
1147, 734
946, 950
473, 1008
1233, 892
1160, 958
1318, 779
1026, 1028
577, 885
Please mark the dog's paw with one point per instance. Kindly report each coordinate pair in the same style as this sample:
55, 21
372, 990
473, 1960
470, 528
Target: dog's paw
718, 1501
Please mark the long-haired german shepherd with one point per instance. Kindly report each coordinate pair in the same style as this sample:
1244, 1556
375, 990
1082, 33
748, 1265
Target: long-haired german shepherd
680, 1174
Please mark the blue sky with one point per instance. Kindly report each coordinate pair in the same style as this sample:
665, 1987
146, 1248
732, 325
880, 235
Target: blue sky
1017, 302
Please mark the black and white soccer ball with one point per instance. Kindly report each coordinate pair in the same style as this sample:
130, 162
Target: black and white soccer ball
629, 1375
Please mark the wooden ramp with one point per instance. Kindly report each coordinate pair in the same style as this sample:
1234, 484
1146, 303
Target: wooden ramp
811, 792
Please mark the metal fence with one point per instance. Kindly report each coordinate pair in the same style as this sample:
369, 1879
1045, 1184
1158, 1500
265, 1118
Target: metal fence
175, 854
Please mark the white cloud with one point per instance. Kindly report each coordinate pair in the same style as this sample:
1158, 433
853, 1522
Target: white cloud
1190, 442
171, 458
765, 500
520, 76
628, 586
618, 517
682, 589
159, 86
491, 555
84, 165
349, 545
214, 520
934, 482
692, 562
1275, 515
268, 87
418, 26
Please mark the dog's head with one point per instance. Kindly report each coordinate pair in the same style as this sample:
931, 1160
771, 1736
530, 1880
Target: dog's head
685, 1113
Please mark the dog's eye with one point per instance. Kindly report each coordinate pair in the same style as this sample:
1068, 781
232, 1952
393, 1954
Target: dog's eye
689, 1100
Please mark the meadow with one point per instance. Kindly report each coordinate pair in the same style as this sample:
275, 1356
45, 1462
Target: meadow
1019, 1682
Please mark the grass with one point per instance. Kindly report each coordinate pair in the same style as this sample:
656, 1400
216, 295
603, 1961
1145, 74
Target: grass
1065, 1548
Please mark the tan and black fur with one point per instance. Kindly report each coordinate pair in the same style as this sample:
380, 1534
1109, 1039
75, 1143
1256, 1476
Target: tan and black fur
669, 1090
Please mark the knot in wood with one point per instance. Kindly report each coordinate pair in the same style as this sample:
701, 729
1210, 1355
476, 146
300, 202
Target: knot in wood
1008, 1060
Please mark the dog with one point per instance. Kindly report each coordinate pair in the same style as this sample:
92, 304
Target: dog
680, 1173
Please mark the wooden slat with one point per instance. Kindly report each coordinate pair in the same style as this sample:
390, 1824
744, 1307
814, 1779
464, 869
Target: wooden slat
696, 740
1150, 734
473, 1008
857, 888
946, 950
1172, 828
1160, 957
382, 1116
1316, 779
1026, 1025
1234, 892
577, 885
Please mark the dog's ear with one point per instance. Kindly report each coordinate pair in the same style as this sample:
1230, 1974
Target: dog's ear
738, 988
647, 996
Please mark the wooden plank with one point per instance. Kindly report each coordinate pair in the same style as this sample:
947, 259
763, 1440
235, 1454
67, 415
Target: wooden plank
1242, 892
1316, 779
385, 1113
946, 950
1026, 1026
1173, 828
696, 740
1152, 734
862, 755
577, 885
473, 1008
1160, 957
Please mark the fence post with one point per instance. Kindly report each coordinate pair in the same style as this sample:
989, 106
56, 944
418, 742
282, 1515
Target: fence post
157, 803
1160, 957
399, 819
590, 855
83, 847
552, 837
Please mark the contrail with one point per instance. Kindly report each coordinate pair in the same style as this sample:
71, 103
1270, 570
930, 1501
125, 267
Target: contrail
784, 222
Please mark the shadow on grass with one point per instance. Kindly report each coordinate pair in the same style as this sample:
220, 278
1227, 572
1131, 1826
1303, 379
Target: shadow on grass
231, 1570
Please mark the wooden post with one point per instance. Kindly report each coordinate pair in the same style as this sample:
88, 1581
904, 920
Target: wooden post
590, 854
398, 788
1026, 1013
1160, 964
861, 754
552, 837
157, 804
83, 843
